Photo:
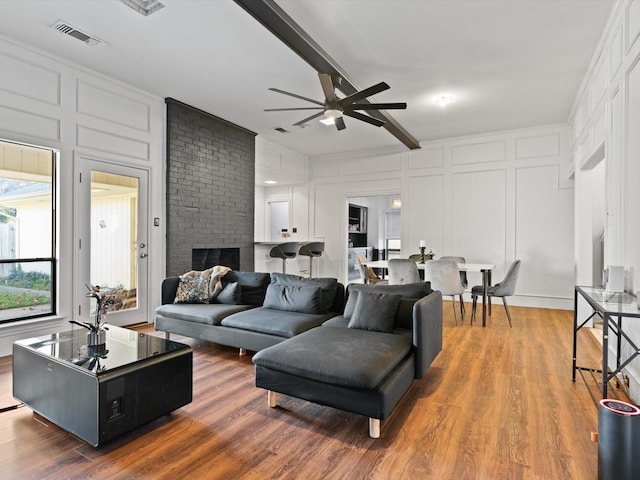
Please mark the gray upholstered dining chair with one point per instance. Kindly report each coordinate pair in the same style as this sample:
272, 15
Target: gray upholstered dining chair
403, 270
444, 275
503, 289
284, 251
463, 278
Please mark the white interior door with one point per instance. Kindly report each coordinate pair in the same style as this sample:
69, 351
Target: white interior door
111, 231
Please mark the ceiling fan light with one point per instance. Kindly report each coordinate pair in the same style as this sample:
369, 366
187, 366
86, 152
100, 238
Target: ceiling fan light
330, 115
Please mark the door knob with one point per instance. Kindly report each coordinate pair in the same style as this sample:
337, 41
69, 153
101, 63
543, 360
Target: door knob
143, 255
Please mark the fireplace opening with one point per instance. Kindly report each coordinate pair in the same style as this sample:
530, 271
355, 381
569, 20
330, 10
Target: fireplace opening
203, 258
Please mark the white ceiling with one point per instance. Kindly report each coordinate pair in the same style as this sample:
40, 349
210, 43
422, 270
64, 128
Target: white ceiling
510, 63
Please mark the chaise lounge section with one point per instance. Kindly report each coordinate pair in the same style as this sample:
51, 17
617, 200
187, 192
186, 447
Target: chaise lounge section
364, 360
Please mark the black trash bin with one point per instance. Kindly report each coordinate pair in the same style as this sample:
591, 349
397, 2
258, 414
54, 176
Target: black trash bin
618, 440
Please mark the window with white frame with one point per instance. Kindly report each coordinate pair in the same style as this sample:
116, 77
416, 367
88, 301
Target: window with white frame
27, 232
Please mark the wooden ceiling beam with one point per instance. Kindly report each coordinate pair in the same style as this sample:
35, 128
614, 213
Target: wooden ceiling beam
276, 20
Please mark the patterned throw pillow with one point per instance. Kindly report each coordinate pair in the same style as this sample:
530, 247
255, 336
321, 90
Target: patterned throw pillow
193, 288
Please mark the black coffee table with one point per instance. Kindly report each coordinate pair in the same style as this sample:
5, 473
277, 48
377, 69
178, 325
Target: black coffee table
98, 393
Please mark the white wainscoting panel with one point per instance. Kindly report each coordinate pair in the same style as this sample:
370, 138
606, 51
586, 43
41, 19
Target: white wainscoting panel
112, 143
423, 211
114, 107
615, 53
599, 128
479, 216
329, 215
633, 23
27, 123
426, 158
268, 155
368, 165
29, 80
633, 177
538, 146
481, 152
598, 85
584, 111
374, 187
544, 233
296, 165
325, 168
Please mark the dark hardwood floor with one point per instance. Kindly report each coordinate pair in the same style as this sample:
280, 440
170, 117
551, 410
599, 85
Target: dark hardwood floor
498, 403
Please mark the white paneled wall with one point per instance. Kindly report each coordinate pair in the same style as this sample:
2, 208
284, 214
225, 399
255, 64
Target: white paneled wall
490, 198
606, 125
49, 102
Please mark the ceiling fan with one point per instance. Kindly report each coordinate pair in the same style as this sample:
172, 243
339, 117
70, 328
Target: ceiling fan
333, 108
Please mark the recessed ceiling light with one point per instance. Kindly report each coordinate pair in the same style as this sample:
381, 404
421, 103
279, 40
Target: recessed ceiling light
270, 182
443, 100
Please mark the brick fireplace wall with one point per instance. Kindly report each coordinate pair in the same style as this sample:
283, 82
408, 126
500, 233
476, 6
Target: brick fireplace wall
210, 186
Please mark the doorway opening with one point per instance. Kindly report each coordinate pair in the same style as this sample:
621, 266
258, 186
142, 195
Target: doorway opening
593, 218
373, 231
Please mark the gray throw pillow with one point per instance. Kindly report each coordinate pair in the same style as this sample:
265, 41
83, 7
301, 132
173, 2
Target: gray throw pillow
375, 311
293, 298
329, 286
231, 294
351, 303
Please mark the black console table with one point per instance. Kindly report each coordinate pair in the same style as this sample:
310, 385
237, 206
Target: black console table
611, 307
98, 393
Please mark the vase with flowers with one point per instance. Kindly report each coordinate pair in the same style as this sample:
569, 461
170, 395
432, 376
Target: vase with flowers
96, 335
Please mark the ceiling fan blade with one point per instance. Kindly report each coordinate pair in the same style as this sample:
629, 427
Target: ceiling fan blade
340, 123
364, 118
376, 106
367, 92
297, 96
315, 115
289, 109
327, 88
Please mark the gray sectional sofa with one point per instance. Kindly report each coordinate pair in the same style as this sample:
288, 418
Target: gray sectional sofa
360, 356
364, 360
259, 309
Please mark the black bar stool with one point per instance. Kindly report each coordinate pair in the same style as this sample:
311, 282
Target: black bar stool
311, 250
284, 251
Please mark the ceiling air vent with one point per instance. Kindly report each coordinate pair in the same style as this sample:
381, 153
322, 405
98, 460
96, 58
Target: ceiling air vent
281, 130
67, 29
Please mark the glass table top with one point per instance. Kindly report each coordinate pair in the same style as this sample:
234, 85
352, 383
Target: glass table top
122, 347
611, 302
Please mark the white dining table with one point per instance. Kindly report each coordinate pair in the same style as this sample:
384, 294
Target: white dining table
484, 268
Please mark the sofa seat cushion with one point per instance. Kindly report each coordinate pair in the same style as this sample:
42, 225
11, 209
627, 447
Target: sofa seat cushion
280, 323
206, 314
347, 357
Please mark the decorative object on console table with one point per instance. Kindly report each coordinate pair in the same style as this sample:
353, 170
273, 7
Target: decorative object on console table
423, 246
